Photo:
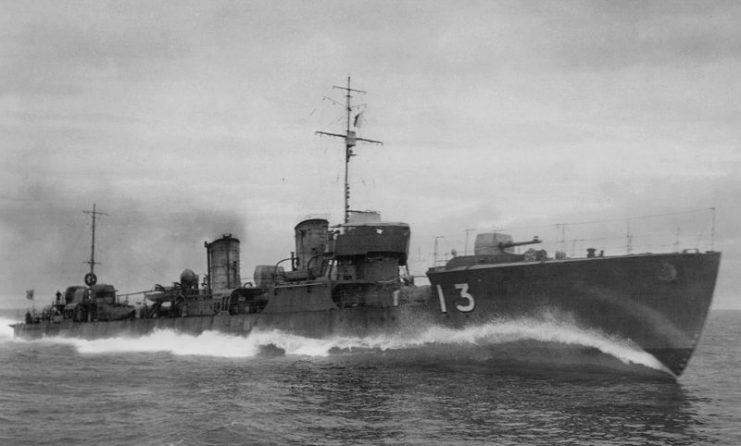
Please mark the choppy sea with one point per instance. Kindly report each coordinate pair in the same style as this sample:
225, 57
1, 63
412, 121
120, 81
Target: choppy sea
466, 387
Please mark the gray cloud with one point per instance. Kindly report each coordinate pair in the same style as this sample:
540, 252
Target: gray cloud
60, 52
605, 36
46, 239
184, 120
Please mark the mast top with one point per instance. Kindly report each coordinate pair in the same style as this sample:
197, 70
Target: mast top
90, 278
350, 137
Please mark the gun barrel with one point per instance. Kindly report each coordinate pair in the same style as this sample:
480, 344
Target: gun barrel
513, 244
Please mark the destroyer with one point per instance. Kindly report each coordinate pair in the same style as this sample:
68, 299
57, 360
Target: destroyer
352, 279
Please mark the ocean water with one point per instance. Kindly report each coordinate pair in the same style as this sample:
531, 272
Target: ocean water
509, 382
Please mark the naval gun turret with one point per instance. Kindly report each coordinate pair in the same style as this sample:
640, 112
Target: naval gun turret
496, 247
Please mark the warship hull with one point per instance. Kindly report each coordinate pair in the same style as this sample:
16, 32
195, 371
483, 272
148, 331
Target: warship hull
316, 324
659, 302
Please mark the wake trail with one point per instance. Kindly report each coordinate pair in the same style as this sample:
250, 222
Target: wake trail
549, 332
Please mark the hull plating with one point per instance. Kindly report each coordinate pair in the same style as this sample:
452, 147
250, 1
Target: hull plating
658, 302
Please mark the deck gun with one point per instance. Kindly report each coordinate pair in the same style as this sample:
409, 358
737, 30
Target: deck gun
505, 245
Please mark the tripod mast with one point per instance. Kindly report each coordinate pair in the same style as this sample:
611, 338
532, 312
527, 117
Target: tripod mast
350, 138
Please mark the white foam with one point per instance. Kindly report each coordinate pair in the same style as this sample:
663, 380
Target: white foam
546, 330
6, 331
551, 331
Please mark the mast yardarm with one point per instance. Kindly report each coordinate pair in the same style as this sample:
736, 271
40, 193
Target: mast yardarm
350, 138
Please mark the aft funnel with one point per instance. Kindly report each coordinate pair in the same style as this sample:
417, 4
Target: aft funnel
223, 263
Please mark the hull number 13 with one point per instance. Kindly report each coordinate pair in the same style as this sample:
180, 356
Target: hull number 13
467, 307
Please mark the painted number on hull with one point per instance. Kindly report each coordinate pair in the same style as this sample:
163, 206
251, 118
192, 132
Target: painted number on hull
465, 295
470, 301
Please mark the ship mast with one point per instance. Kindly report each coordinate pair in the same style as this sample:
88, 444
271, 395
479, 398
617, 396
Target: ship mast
90, 278
350, 138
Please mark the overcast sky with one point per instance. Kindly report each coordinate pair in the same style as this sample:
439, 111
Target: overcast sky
186, 120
